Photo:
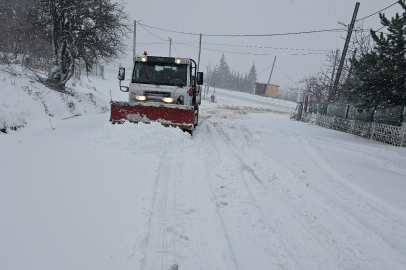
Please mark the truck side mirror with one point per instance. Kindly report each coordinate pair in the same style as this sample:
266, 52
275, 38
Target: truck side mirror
121, 74
199, 79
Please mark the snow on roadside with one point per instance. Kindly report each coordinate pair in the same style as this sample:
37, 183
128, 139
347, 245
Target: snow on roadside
138, 138
24, 100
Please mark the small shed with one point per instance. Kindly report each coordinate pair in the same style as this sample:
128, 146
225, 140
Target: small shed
261, 89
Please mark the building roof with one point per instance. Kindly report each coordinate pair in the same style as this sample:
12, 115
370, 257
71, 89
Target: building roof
269, 84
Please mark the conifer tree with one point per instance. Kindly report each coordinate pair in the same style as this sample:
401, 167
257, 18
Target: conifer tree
252, 79
379, 76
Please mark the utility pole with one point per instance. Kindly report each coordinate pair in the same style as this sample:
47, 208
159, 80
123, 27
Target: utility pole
134, 39
347, 41
332, 76
200, 50
270, 75
170, 46
207, 82
339, 94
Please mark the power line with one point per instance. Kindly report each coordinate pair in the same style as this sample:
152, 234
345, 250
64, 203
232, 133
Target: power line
376, 31
175, 49
377, 12
265, 70
151, 32
263, 54
232, 45
152, 43
263, 47
281, 34
247, 35
285, 74
241, 53
381, 29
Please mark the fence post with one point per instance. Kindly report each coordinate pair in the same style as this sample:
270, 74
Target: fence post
317, 118
299, 111
372, 130
352, 124
402, 134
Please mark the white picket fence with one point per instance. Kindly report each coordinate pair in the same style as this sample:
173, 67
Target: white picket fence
395, 135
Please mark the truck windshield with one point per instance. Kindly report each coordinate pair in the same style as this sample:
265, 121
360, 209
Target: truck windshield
160, 73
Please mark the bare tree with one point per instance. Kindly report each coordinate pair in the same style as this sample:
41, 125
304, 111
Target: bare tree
320, 84
81, 30
19, 39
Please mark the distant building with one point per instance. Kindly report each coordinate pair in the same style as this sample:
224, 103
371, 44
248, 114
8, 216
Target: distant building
261, 90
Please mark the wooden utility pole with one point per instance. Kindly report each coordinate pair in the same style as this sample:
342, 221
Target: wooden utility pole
332, 75
207, 82
270, 75
200, 50
170, 46
134, 39
347, 41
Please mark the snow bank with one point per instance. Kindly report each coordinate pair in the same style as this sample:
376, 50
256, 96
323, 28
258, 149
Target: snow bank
24, 100
132, 138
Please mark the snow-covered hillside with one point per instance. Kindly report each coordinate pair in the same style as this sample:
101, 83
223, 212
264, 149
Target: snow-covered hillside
25, 101
251, 190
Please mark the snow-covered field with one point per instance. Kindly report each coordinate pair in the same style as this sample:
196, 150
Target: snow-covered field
251, 190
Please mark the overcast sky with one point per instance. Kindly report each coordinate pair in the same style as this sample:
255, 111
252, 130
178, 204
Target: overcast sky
251, 17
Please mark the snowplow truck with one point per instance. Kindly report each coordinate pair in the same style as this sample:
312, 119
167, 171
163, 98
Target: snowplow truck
162, 89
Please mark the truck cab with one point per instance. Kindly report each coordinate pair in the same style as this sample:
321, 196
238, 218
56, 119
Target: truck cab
166, 80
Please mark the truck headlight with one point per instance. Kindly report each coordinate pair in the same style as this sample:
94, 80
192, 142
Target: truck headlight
168, 100
141, 98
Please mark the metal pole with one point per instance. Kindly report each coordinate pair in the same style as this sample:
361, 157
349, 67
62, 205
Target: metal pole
270, 75
134, 39
170, 46
200, 50
347, 41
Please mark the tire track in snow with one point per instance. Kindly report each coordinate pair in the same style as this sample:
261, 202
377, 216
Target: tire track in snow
285, 226
208, 169
138, 252
389, 162
158, 247
345, 236
361, 200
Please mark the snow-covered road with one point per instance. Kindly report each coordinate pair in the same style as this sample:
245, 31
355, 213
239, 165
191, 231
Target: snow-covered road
251, 190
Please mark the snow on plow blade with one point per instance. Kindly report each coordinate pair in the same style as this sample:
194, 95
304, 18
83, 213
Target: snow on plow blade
167, 114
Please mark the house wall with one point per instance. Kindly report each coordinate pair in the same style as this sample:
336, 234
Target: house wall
262, 90
272, 91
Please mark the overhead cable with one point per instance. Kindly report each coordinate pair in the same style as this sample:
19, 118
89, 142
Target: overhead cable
285, 74
246, 35
265, 69
175, 49
263, 54
377, 12
265, 47
151, 32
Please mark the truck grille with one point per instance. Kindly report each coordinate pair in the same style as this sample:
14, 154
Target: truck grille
157, 94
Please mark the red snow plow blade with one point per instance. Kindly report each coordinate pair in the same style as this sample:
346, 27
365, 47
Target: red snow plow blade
167, 114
